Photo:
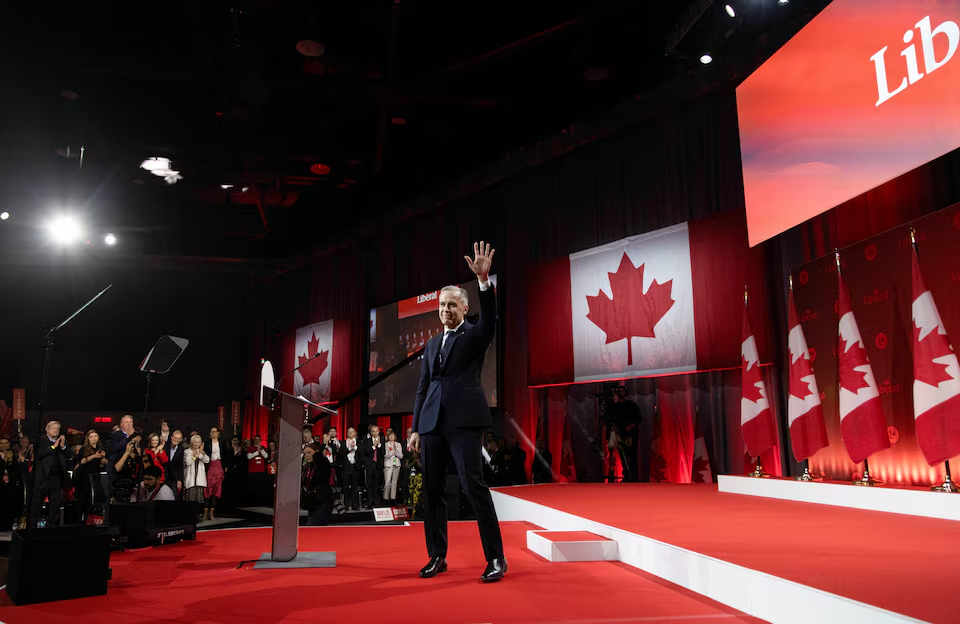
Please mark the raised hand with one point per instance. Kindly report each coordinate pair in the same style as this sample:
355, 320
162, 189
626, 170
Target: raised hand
482, 260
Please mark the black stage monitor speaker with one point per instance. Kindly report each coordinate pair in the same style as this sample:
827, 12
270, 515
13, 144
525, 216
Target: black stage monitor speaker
39, 571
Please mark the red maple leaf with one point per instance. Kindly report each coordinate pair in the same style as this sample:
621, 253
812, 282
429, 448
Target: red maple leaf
314, 368
700, 465
751, 378
933, 345
631, 313
798, 370
852, 379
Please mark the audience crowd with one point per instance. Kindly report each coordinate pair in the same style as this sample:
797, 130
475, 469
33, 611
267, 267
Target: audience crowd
127, 465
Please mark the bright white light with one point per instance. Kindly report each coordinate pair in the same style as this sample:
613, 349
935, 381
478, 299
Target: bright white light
729, 10
706, 59
156, 164
65, 230
245, 189
226, 186
783, 2
160, 167
110, 239
4, 216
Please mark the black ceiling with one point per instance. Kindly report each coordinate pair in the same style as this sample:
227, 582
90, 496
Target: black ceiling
221, 89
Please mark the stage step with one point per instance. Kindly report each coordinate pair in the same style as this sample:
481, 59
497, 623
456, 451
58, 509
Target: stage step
572, 546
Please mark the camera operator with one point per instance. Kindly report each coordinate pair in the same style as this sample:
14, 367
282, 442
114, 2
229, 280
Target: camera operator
128, 468
623, 424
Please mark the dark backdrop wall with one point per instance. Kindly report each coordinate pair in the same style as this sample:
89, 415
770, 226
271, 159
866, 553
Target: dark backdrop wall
683, 165
97, 356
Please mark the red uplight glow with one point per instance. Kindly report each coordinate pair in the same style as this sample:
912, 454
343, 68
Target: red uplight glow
319, 169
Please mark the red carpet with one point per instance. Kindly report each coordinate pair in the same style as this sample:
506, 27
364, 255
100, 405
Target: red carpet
197, 583
900, 563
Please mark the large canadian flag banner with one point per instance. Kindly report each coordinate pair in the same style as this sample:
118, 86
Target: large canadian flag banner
658, 303
862, 425
936, 377
633, 307
808, 433
313, 348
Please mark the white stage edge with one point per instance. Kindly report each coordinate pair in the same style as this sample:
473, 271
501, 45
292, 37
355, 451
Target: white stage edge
599, 549
753, 592
928, 504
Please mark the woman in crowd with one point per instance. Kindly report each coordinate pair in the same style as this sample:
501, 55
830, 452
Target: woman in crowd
195, 470
156, 452
315, 485
214, 490
86, 474
272, 457
391, 467
352, 470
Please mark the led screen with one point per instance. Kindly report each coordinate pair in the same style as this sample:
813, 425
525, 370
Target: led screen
868, 90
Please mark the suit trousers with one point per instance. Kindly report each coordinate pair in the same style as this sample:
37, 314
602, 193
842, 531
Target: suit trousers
351, 483
51, 488
391, 476
463, 445
374, 476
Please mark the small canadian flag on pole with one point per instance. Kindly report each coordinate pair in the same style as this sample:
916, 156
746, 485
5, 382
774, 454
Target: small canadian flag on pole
756, 417
862, 425
808, 434
936, 377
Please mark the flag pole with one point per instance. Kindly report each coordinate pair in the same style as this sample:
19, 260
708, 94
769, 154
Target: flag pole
866, 479
806, 476
758, 473
948, 485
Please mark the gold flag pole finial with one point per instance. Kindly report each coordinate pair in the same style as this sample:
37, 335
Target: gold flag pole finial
913, 237
790, 276
836, 254
745, 295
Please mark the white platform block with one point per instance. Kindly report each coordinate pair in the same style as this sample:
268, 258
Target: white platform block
893, 500
560, 546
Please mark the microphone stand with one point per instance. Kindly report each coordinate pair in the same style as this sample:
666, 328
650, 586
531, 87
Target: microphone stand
48, 339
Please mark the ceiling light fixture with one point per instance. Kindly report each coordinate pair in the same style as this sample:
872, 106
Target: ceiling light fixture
160, 167
110, 239
310, 48
319, 169
783, 2
729, 10
226, 186
64, 229
706, 59
4, 216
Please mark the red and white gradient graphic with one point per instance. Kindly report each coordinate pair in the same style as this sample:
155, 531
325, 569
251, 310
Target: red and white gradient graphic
864, 93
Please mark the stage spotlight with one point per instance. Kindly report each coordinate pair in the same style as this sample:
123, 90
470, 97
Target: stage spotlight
783, 2
4, 216
110, 239
729, 10
706, 59
65, 230
226, 186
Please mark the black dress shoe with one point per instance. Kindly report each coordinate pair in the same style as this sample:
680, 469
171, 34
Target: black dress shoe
495, 571
434, 567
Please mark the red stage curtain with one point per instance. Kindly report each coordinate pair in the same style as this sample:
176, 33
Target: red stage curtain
675, 398
256, 421
407, 424
556, 420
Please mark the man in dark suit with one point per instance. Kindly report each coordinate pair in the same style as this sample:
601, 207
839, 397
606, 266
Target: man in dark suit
449, 417
49, 474
173, 469
371, 451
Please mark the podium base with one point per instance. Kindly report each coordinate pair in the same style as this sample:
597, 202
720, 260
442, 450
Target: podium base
302, 560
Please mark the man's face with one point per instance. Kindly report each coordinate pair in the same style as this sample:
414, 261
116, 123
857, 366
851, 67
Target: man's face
126, 425
149, 481
451, 309
333, 433
176, 438
351, 432
375, 432
256, 441
214, 433
53, 429
164, 426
